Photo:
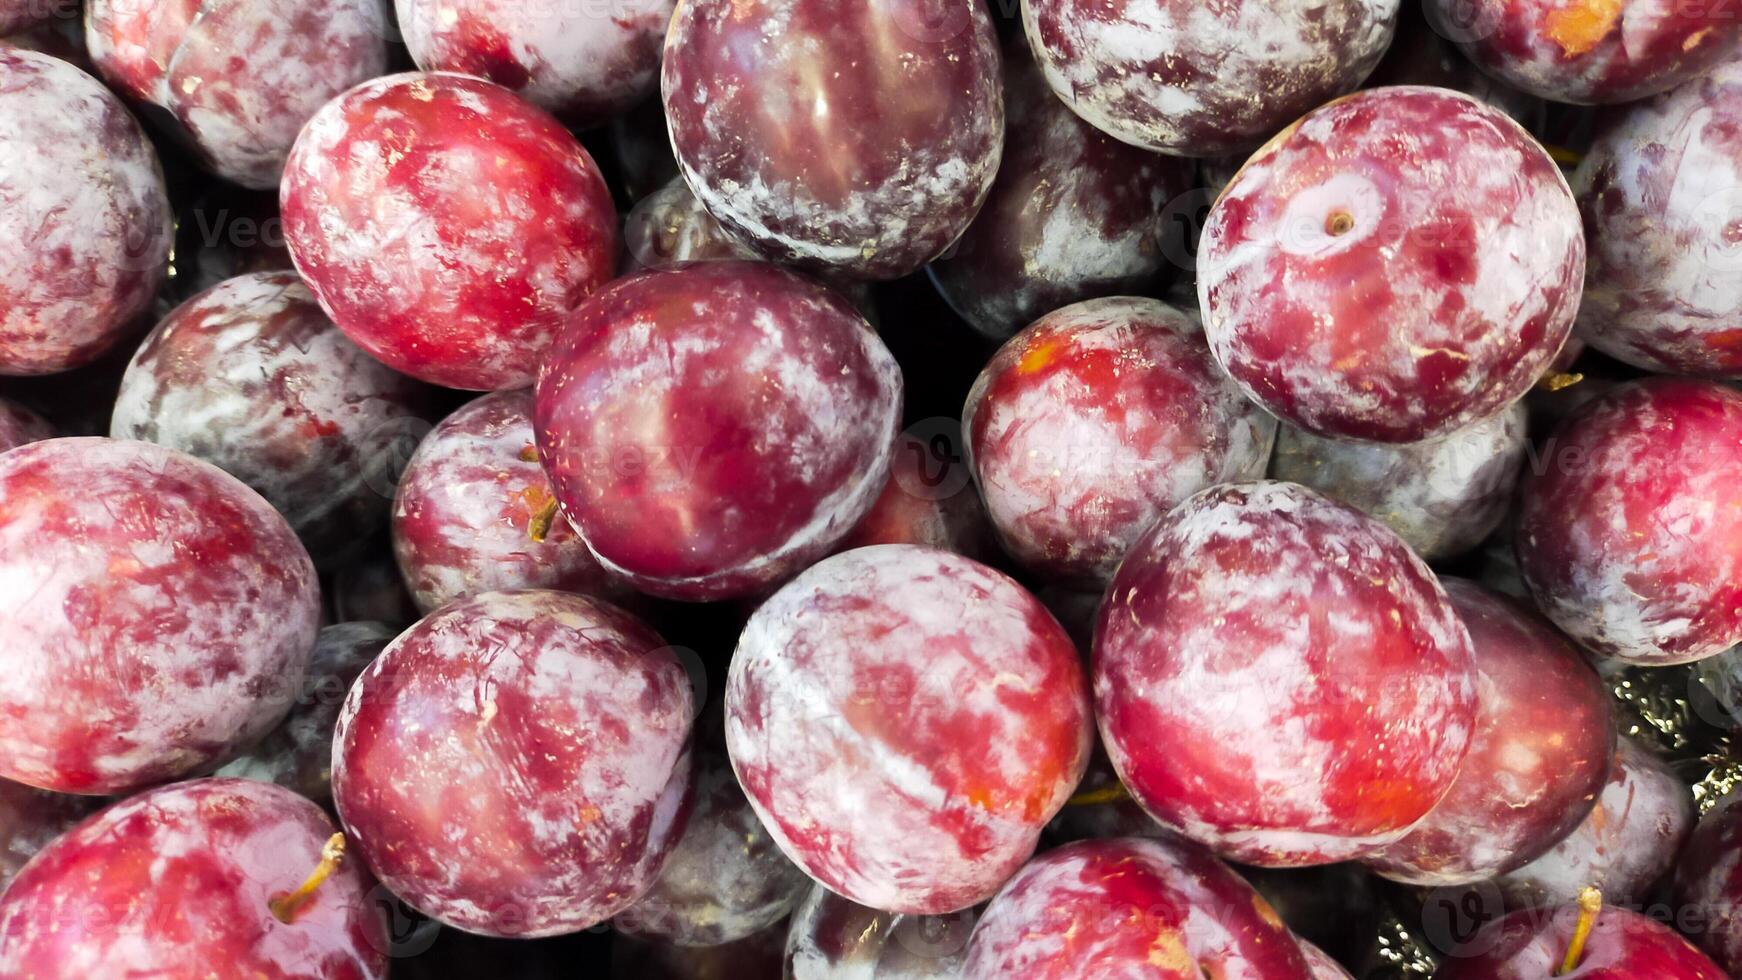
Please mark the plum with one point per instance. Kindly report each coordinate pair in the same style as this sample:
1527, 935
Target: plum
1278, 677
475, 512
712, 428
1661, 191
585, 62
83, 201
1395, 266
239, 77
858, 139
1545, 736
30, 819
514, 765
832, 938
1590, 942
1708, 880
1074, 214
725, 879
447, 226
670, 226
1442, 496
1589, 51
1092, 423
252, 377
929, 500
209, 878
905, 721
20, 426
1199, 79
1421, 55
154, 606
298, 754
1627, 538
1130, 907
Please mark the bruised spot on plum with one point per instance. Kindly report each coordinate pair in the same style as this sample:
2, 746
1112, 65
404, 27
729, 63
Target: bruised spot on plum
1581, 25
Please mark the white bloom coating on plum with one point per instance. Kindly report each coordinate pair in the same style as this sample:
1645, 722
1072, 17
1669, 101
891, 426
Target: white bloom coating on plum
1442, 496
1397, 265
515, 764
83, 204
1278, 677
584, 61
1094, 422
905, 721
1204, 79
1662, 194
153, 606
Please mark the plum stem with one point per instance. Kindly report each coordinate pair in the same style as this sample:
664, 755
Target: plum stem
1564, 156
285, 907
539, 527
1340, 223
1590, 905
529, 454
1114, 792
1556, 381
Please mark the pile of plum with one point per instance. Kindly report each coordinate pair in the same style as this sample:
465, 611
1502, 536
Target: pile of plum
870, 489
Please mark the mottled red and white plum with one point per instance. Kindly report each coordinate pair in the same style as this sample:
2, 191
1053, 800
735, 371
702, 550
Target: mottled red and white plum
1278, 677
1589, 51
252, 377
1074, 214
1088, 426
475, 512
714, 428
585, 62
832, 937
1399, 264
854, 139
1661, 189
1202, 79
447, 226
1443, 496
194, 879
238, 77
155, 608
298, 754
1621, 945
1540, 755
1131, 907
905, 722
515, 765
1630, 537
83, 200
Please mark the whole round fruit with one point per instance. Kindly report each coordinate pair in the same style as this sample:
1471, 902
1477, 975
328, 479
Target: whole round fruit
1074, 214
670, 226
475, 513
1589, 51
1621, 945
905, 722
252, 377
713, 428
1443, 496
1395, 266
514, 765
584, 62
854, 138
1661, 189
1089, 425
1279, 678
196, 879
447, 226
1627, 537
1199, 79
1544, 740
832, 937
154, 607
83, 202
1708, 879
239, 77
1130, 907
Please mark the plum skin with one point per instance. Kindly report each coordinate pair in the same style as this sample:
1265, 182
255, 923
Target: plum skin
515, 764
169, 606
1350, 292
1218, 633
